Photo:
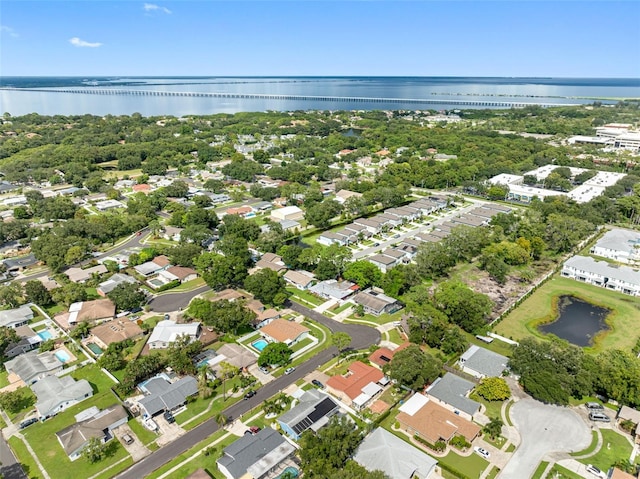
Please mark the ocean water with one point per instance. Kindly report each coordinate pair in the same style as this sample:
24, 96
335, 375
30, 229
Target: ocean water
45, 95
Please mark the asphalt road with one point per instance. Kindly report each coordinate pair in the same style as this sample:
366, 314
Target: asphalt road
362, 337
544, 429
10, 468
168, 302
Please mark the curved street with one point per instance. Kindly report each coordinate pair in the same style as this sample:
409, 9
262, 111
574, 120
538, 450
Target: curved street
168, 302
362, 337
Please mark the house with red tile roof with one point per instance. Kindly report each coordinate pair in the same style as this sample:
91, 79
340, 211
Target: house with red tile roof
360, 380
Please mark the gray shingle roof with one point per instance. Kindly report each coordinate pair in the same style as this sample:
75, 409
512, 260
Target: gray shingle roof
53, 391
602, 268
483, 361
251, 452
619, 240
168, 396
31, 365
452, 390
383, 451
308, 411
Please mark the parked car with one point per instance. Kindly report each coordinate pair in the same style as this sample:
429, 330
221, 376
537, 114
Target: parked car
289, 370
264, 370
599, 416
150, 424
595, 471
254, 429
315, 382
482, 452
169, 417
249, 394
594, 405
28, 422
127, 439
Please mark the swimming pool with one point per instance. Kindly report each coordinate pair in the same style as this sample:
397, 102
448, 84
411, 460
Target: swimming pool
95, 349
63, 356
289, 473
260, 344
45, 335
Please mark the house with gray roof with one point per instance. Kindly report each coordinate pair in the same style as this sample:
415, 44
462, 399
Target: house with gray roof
312, 412
375, 302
452, 392
31, 366
600, 273
482, 363
254, 455
113, 282
328, 238
91, 423
13, 318
167, 332
55, 394
398, 459
332, 289
383, 262
166, 396
28, 341
619, 245
18, 264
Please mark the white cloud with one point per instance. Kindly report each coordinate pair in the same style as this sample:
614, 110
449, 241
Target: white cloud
8, 30
77, 42
150, 7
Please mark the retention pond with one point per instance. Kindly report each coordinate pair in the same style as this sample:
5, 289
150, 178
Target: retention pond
578, 321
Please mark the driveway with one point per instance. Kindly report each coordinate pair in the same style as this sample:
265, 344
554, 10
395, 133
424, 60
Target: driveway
543, 429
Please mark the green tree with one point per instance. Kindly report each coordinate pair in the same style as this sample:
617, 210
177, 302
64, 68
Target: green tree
35, 292
185, 254
266, 285
493, 428
275, 353
341, 340
224, 316
363, 273
8, 336
127, 296
462, 305
11, 295
81, 330
493, 389
413, 367
95, 450
220, 271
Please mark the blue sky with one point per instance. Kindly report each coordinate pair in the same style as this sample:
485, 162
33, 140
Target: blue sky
387, 38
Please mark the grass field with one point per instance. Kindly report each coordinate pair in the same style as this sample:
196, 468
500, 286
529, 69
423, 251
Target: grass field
591, 448
624, 319
614, 447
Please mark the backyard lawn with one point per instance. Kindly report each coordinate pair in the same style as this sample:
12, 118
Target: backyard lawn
539, 308
470, 466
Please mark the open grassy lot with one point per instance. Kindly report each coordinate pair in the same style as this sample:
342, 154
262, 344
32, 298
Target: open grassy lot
624, 319
614, 447
470, 466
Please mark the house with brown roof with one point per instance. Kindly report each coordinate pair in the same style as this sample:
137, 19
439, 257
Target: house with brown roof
616, 473
263, 315
422, 417
629, 414
93, 311
271, 261
283, 331
300, 279
115, 331
242, 211
360, 379
79, 275
177, 273
383, 356
141, 188
344, 195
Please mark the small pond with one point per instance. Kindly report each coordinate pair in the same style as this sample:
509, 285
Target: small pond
578, 321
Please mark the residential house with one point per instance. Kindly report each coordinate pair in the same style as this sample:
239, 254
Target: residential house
383, 356
113, 282
13, 318
482, 363
615, 473
629, 414
343, 195
283, 331
332, 289
469, 220
32, 367
157, 264
172, 233
372, 226
141, 188
177, 273
233, 354
271, 261
619, 245
115, 331
300, 279
358, 386
384, 262
13, 265
79, 275
328, 238
287, 213
254, 456
313, 411
263, 315
55, 394
421, 417
289, 225
162, 395
91, 423
359, 230
600, 273
375, 302
452, 392
124, 184
108, 205
92, 311
242, 211
167, 332
28, 341
385, 452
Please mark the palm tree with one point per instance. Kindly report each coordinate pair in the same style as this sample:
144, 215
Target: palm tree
493, 427
221, 419
203, 382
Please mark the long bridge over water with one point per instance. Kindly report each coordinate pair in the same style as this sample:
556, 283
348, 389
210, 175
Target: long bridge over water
263, 96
